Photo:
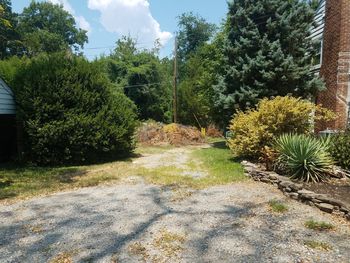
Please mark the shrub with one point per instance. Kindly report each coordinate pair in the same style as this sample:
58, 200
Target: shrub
305, 158
257, 128
340, 149
70, 111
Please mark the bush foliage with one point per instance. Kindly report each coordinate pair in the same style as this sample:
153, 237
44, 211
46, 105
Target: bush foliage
70, 112
305, 158
340, 149
256, 128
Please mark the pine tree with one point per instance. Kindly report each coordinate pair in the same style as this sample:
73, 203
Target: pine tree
268, 53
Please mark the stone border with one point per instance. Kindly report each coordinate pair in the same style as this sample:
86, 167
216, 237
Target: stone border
296, 191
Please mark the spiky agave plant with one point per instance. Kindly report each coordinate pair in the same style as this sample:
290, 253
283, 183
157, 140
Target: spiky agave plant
306, 158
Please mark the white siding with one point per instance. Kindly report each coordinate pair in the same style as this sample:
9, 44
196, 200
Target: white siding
7, 102
317, 32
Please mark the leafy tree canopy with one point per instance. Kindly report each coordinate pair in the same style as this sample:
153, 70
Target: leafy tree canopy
46, 27
143, 77
9, 38
194, 31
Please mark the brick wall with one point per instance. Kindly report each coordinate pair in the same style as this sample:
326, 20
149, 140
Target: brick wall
335, 67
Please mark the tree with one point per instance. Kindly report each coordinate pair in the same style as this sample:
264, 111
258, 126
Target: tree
9, 38
46, 27
194, 32
195, 54
314, 4
70, 110
143, 77
268, 53
196, 104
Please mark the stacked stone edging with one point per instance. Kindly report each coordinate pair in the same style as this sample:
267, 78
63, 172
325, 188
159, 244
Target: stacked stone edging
296, 191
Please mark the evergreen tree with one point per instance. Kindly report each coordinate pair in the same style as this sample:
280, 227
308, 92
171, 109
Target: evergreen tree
268, 52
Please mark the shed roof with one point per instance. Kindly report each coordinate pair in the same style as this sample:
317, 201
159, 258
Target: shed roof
7, 100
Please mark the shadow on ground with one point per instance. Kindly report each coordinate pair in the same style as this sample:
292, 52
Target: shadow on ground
95, 225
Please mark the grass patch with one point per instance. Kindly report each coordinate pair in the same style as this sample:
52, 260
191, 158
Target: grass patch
215, 164
218, 162
319, 226
277, 206
318, 245
170, 244
29, 181
153, 149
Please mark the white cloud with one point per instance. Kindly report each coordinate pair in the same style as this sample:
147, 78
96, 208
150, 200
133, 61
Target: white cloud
81, 21
130, 17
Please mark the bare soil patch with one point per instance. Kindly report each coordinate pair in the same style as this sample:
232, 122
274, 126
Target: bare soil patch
337, 188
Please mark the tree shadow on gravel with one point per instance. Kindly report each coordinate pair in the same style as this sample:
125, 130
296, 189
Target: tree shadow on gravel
88, 230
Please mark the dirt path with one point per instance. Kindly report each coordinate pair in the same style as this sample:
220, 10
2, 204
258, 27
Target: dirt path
139, 222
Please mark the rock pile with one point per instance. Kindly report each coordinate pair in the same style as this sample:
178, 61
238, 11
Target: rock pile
296, 191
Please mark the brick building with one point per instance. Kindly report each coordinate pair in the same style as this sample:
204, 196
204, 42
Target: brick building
333, 64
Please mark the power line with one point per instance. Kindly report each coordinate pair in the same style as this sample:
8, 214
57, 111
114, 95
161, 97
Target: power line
143, 85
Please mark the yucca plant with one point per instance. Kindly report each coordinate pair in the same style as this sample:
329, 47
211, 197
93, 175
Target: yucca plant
305, 158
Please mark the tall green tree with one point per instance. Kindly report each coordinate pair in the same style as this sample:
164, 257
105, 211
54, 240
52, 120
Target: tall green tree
46, 27
194, 32
268, 53
143, 77
9, 37
196, 102
195, 54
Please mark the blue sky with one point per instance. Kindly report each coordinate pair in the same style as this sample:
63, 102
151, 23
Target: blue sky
146, 20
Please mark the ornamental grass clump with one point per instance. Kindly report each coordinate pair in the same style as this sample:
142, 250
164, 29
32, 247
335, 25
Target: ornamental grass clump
305, 158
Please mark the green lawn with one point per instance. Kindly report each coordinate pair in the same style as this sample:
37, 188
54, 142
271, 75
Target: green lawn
215, 162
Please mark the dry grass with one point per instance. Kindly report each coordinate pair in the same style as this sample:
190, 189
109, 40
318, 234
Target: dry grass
318, 245
170, 244
18, 183
137, 249
65, 257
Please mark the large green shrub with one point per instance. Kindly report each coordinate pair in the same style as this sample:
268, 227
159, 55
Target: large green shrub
340, 149
257, 128
70, 113
305, 158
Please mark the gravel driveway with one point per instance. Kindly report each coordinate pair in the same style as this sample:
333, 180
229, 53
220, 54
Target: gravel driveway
146, 223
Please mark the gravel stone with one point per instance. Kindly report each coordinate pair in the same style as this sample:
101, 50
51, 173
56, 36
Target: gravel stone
221, 224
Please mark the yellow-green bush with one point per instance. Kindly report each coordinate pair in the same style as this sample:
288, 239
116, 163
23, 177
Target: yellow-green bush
256, 128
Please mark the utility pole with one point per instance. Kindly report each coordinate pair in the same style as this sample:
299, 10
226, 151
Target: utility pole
175, 82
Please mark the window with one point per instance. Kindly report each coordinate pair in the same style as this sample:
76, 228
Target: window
316, 60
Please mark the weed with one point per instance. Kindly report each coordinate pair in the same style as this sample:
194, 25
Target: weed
277, 206
319, 226
317, 245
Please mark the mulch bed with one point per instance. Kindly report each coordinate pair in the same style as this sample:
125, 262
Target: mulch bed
336, 188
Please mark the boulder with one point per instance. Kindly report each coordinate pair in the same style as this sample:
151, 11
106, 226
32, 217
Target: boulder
325, 207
